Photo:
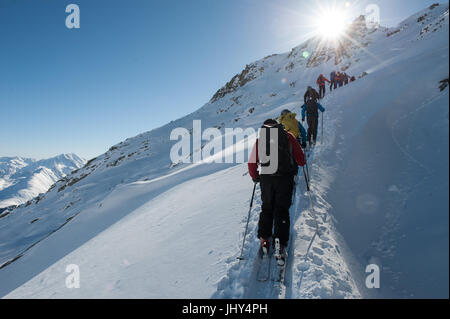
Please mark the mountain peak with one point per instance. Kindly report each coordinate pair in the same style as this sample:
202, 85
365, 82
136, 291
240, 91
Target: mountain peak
21, 179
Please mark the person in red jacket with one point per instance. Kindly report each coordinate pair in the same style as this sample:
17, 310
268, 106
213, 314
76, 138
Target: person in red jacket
276, 186
321, 83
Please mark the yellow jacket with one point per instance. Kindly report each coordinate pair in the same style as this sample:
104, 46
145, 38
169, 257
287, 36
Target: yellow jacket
290, 123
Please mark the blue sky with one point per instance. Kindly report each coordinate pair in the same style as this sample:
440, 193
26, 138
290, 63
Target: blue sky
134, 65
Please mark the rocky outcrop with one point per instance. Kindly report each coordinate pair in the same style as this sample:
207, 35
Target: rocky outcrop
250, 73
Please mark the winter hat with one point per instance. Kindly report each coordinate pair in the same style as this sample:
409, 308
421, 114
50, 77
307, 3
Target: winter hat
270, 122
284, 112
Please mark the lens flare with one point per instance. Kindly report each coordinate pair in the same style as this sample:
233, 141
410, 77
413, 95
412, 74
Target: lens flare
331, 22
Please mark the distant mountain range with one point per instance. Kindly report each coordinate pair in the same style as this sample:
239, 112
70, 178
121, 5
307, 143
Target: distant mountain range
22, 179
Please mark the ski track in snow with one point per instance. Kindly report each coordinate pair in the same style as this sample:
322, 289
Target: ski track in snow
315, 267
408, 155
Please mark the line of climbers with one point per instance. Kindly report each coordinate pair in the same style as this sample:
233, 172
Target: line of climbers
277, 187
337, 79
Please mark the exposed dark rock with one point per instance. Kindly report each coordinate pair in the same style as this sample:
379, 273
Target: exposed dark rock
392, 32
434, 5
90, 161
248, 74
362, 75
444, 84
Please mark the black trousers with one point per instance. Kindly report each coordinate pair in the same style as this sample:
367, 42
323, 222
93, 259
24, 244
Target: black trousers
313, 123
276, 196
321, 91
333, 84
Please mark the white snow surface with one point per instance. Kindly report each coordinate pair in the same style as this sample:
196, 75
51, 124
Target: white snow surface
139, 227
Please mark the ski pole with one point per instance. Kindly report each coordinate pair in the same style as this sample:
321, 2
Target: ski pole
311, 202
307, 169
306, 179
246, 226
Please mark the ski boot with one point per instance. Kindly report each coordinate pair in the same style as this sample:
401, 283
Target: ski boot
265, 244
280, 253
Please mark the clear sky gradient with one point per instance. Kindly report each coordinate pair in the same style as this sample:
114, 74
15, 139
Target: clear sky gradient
134, 65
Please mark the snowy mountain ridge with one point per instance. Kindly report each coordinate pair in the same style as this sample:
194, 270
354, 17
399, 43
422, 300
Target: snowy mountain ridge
134, 222
311, 53
22, 179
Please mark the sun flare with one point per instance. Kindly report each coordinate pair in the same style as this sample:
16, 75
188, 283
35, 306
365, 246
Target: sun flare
331, 24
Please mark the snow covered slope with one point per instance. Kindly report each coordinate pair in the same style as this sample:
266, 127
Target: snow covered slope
139, 226
22, 179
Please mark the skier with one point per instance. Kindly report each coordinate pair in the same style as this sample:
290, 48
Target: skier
276, 187
321, 83
332, 80
340, 79
346, 77
290, 124
311, 109
310, 94
352, 79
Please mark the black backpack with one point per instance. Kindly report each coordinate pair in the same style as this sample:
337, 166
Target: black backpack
311, 94
286, 163
312, 108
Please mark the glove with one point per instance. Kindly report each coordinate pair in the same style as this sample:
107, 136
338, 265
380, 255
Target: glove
256, 180
303, 120
304, 145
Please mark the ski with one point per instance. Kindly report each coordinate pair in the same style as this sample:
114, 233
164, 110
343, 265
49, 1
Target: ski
281, 272
279, 283
263, 273
281, 269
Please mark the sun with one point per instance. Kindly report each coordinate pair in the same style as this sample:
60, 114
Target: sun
331, 24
